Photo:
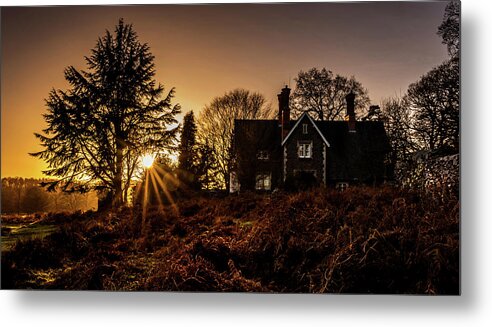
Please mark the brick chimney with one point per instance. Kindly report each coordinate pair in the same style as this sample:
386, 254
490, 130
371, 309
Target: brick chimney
350, 98
279, 110
284, 111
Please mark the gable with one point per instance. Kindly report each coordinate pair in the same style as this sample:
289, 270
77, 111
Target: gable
306, 118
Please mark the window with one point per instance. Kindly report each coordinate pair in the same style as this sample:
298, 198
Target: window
341, 186
262, 155
263, 182
304, 128
305, 149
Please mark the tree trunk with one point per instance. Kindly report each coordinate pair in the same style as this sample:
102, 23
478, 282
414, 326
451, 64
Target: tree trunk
118, 200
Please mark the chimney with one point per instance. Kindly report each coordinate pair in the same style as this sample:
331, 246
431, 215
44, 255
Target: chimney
279, 110
284, 110
350, 98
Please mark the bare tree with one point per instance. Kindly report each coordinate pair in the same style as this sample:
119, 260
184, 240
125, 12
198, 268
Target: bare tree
449, 29
323, 93
216, 125
434, 104
398, 123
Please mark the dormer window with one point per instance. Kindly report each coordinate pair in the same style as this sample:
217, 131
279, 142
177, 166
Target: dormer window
305, 149
304, 128
262, 155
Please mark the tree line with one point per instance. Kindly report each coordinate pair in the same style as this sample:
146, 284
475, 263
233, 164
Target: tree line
115, 112
27, 196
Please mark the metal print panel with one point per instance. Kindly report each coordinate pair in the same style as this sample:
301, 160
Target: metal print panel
285, 148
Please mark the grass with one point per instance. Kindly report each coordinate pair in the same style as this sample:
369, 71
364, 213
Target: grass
364, 240
20, 228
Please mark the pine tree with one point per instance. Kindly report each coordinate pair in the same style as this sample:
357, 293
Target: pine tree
187, 146
187, 160
111, 115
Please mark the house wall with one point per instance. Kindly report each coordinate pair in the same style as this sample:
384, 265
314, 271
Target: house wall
294, 163
342, 159
349, 161
248, 165
356, 158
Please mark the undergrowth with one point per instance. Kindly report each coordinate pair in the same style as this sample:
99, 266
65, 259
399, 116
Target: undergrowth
362, 240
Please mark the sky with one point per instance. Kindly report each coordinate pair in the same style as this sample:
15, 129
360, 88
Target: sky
204, 51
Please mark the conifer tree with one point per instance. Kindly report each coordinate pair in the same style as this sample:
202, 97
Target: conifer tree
111, 115
187, 160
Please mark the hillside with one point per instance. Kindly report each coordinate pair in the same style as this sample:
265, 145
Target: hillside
362, 240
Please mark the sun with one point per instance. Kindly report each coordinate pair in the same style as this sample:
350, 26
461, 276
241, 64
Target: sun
148, 160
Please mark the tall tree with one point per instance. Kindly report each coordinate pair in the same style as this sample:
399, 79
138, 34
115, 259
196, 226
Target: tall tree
187, 147
449, 29
188, 152
434, 101
323, 93
112, 113
398, 125
207, 166
216, 126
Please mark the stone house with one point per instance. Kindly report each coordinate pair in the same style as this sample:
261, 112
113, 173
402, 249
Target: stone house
269, 153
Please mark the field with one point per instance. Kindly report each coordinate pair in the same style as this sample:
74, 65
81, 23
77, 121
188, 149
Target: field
363, 240
25, 227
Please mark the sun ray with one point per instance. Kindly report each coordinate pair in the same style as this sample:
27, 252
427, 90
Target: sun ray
156, 189
167, 194
168, 176
145, 199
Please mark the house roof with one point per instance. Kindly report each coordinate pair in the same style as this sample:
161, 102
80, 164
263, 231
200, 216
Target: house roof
265, 133
370, 136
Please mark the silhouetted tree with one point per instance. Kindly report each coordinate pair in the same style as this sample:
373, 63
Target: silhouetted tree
188, 153
398, 125
323, 93
434, 101
449, 29
207, 167
216, 126
111, 114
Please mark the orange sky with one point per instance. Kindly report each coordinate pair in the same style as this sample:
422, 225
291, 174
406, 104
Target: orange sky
206, 50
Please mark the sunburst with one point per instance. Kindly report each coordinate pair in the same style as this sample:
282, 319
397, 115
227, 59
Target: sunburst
148, 160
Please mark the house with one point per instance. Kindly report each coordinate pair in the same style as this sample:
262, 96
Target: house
269, 153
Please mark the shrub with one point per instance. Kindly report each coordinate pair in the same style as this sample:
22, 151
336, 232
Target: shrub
362, 240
